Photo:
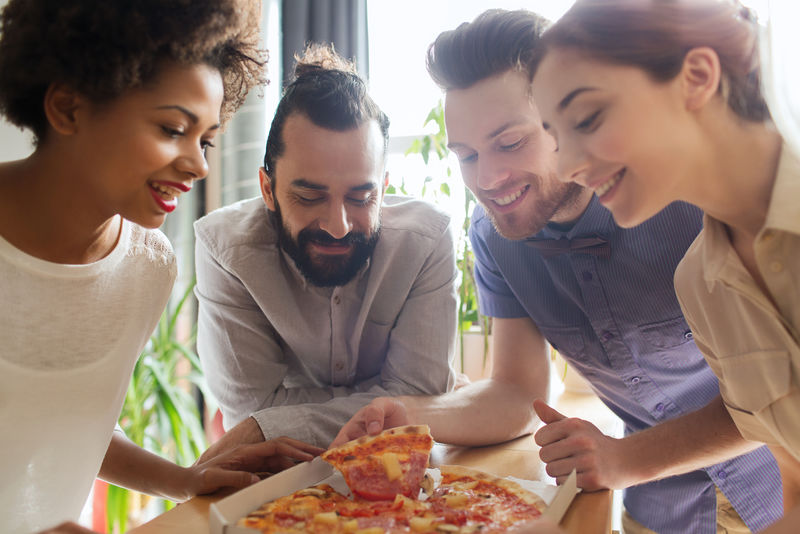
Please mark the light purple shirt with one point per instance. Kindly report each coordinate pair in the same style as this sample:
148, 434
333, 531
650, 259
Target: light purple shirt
617, 321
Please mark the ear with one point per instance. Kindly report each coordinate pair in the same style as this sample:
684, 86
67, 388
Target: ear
61, 104
700, 75
266, 188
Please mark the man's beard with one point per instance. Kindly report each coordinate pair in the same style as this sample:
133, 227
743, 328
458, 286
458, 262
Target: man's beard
326, 270
512, 228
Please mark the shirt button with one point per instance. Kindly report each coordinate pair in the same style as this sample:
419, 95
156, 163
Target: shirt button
688, 335
587, 276
722, 474
635, 380
336, 299
660, 407
776, 266
607, 335
339, 366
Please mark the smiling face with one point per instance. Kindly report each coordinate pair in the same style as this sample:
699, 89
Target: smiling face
326, 191
146, 147
619, 133
507, 160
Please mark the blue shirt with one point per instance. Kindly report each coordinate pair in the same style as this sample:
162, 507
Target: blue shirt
618, 322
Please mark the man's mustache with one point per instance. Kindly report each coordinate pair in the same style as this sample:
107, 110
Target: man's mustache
324, 238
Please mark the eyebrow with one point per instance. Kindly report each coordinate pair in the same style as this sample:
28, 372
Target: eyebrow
567, 100
192, 117
306, 184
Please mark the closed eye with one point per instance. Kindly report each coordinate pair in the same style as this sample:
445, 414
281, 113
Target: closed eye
361, 201
308, 200
512, 146
589, 122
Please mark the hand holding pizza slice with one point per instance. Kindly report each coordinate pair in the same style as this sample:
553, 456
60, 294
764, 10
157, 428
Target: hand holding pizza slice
384, 466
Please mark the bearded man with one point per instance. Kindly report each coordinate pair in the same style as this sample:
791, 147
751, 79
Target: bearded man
324, 293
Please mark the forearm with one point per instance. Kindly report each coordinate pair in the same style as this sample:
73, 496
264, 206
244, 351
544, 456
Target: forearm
129, 466
696, 440
315, 423
481, 413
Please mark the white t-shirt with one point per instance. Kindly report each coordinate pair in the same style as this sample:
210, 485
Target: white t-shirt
69, 338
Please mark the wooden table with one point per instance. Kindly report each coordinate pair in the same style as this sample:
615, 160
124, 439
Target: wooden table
590, 513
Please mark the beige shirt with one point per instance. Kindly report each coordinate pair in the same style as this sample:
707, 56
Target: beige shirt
752, 340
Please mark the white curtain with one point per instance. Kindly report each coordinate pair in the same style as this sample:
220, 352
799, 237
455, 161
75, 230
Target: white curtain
780, 44
240, 149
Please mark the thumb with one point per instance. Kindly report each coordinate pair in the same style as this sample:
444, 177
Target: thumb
546, 413
374, 417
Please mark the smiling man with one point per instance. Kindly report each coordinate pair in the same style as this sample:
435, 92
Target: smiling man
324, 293
553, 268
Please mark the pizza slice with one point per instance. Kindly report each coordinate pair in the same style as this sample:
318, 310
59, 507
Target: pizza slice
468, 497
386, 465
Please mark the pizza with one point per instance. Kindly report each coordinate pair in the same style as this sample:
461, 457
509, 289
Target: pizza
464, 501
380, 467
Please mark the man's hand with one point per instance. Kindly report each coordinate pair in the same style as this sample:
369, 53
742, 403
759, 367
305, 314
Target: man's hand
236, 468
378, 415
245, 432
570, 443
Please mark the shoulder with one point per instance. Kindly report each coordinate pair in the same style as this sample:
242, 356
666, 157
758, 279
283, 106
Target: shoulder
246, 223
151, 243
479, 224
676, 217
407, 214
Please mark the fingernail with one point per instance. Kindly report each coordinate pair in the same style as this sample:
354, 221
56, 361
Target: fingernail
374, 427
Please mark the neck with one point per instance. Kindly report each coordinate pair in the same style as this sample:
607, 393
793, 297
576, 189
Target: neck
735, 180
45, 215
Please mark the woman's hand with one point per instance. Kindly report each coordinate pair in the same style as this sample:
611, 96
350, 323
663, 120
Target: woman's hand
242, 465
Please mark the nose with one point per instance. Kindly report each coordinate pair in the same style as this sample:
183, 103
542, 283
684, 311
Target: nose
491, 173
193, 163
336, 221
572, 163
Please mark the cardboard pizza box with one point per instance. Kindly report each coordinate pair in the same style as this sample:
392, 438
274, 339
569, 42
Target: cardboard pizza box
223, 514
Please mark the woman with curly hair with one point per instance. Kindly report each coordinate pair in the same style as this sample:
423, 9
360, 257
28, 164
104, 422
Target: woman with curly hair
123, 100
653, 102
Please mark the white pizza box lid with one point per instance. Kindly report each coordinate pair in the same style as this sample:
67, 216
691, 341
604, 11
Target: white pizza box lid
225, 513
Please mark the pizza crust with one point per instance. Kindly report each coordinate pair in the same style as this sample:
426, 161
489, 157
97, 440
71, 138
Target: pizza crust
366, 441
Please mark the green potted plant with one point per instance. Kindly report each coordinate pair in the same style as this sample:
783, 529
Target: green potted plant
434, 188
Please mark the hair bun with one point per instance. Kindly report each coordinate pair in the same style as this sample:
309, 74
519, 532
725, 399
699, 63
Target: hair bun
318, 57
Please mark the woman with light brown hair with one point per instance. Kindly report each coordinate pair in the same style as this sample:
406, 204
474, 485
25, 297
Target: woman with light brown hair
652, 102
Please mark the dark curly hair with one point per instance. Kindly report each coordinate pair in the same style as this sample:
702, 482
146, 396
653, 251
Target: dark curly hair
326, 89
102, 48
